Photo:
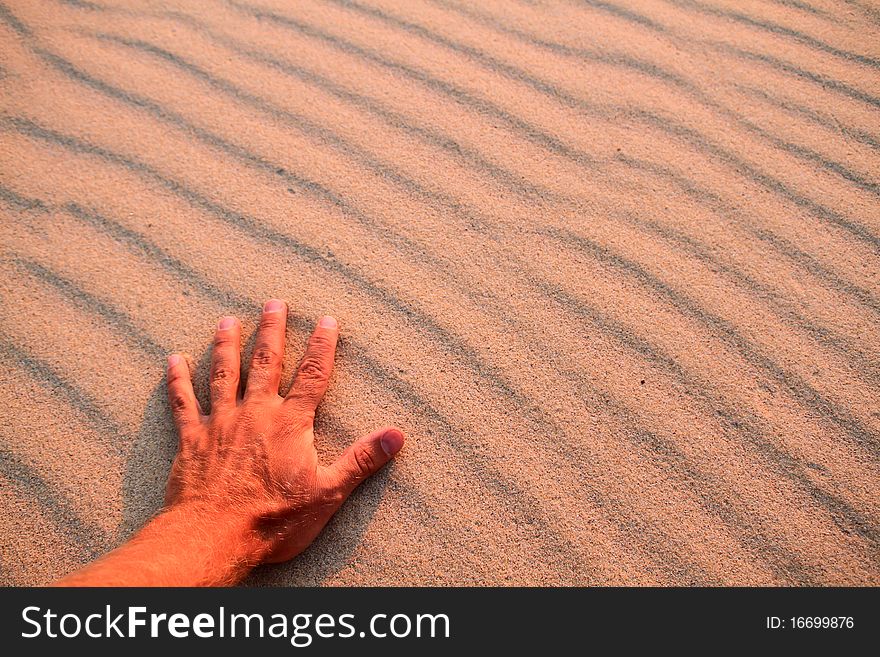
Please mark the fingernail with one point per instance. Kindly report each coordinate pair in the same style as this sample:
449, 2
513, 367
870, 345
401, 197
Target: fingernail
391, 442
328, 322
173, 360
273, 306
226, 323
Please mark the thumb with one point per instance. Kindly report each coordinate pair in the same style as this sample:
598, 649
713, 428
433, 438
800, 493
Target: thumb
363, 458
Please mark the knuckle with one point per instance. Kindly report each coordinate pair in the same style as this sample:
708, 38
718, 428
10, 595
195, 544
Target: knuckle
312, 368
320, 343
365, 461
264, 356
179, 402
174, 375
273, 321
222, 374
223, 339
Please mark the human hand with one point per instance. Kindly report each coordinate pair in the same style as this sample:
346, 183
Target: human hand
246, 486
251, 462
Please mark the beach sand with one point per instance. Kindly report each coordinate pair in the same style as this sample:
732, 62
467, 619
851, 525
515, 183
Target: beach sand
612, 266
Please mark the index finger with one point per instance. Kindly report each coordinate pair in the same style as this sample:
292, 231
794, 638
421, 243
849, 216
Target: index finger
313, 374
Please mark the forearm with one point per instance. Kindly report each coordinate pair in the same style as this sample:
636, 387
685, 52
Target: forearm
183, 546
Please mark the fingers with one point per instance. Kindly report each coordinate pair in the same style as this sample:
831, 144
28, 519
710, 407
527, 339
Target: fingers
362, 459
314, 371
184, 407
265, 373
225, 364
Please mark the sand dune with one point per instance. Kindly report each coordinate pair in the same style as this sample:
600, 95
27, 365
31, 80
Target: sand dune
613, 266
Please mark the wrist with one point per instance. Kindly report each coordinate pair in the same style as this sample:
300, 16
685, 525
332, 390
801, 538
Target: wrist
187, 544
228, 544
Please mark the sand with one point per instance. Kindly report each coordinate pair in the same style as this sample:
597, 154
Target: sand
613, 266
